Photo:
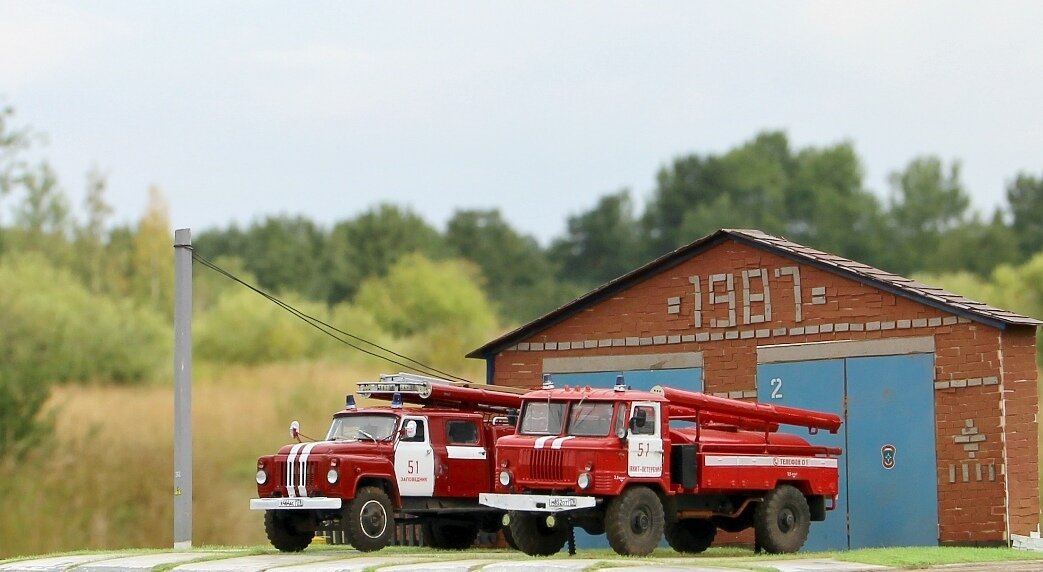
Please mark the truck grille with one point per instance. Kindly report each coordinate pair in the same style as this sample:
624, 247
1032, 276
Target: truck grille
545, 464
311, 468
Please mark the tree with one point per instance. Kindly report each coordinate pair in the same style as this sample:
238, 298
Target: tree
371, 243
287, 254
91, 236
44, 212
519, 278
13, 143
975, 246
1025, 195
697, 195
926, 201
600, 244
152, 270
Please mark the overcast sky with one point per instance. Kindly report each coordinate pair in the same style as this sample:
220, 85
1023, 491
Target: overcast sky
242, 109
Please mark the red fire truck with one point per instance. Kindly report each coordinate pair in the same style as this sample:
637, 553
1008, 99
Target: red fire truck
382, 464
618, 462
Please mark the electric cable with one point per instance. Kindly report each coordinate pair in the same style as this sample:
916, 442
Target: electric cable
419, 367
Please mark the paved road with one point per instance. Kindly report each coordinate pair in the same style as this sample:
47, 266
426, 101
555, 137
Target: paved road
351, 561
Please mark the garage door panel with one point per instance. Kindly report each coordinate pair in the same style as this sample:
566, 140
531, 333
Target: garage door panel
891, 456
817, 385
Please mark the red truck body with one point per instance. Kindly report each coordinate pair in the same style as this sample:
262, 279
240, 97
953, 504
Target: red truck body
609, 460
382, 464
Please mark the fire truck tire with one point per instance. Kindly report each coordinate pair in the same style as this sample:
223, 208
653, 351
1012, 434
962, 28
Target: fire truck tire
782, 520
283, 533
449, 535
509, 538
691, 536
533, 537
369, 521
634, 522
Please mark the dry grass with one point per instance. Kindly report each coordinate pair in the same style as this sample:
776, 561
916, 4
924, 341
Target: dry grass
107, 480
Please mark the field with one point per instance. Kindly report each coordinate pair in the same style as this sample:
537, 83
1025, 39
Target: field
106, 480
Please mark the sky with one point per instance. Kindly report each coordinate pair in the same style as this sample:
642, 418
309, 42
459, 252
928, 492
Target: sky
238, 110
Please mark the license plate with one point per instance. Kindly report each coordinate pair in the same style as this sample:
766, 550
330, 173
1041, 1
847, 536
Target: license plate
291, 503
562, 503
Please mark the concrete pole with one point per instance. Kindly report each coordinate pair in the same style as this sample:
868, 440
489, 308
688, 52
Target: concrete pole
182, 389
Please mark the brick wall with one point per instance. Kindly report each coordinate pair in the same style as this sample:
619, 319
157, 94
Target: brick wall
980, 372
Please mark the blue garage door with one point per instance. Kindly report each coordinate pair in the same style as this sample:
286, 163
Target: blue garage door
815, 385
888, 492
689, 378
891, 454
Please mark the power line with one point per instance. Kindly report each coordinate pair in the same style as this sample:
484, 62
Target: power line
320, 325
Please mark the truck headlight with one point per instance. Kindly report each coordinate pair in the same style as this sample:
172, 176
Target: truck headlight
332, 475
505, 478
261, 477
584, 480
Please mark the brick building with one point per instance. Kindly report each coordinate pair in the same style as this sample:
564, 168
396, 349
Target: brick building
938, 392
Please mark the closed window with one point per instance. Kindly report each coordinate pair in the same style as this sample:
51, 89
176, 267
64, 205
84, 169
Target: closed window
461, 433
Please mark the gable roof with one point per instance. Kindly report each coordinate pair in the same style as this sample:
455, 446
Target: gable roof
863, 273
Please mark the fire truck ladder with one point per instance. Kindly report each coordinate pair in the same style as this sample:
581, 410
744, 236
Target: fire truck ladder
436, 392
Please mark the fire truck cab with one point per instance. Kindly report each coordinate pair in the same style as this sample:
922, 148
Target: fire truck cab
377, 465
635, 465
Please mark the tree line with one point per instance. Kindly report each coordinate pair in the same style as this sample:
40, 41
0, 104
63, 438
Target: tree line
85, 299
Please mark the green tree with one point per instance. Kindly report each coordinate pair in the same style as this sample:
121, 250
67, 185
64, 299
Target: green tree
976, 246
519, 278
152, 268
437, 309
1025, 195
14, 141
600, 244
371, 243
90, 237
286, 254
43, 214
696, 195
927, 200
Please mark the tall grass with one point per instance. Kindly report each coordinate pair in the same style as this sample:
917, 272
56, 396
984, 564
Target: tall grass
105, 480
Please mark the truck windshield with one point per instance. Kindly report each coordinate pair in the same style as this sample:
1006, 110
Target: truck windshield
362, 427
542, 418
591, 419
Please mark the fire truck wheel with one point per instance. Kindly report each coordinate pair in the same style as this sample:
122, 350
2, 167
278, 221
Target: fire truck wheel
283, 533
369, 521
692, 536
509, 539
449, 535
634, 522
782, 520
533, 537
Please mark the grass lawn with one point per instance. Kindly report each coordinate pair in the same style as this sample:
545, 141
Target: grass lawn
737, 558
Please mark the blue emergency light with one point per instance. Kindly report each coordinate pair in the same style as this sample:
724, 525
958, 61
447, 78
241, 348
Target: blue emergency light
396, 401
620, 386
349, 402
547, 383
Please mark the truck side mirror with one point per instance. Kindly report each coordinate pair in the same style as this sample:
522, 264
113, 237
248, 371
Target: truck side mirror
409, 429
638, 420
295, 430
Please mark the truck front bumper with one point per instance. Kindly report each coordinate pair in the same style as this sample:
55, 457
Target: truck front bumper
295, 503
536, 503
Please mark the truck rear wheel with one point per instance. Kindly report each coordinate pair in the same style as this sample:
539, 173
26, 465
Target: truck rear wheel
282, 530
369, 523
449, 535
532, 535
691, 536
634, 522
782, 520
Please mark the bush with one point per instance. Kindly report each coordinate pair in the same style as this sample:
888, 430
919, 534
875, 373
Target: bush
54, 330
